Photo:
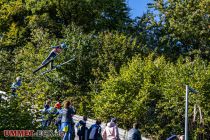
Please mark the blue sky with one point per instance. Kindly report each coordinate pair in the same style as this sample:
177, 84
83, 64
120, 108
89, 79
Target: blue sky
138, 7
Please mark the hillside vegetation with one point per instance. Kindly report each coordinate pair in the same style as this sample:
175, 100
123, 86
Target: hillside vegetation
133, 69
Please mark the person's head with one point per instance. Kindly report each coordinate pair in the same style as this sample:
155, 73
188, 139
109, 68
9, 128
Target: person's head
85, 118
114, 120
48, 102
180, 137
136, 125
67, 104
57, 105
18, 79
98, 121
63, 45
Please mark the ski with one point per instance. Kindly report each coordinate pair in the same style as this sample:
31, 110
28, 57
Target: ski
57, 66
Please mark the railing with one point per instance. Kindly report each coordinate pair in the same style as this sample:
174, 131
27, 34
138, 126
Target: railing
3, 96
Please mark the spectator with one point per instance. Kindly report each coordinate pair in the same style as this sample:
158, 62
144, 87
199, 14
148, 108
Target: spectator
82, 129
47, 105
134, 133
45, 112
180, 137
15, 86
72, 122
94, 133
111, 131
59, 116
66, 121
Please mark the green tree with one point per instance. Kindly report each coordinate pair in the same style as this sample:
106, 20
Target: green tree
20, 18
16, 115
12, 31
184, 27
151, 90
7, 69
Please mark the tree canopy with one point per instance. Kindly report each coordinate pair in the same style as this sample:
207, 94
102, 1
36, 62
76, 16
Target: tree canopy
133, 69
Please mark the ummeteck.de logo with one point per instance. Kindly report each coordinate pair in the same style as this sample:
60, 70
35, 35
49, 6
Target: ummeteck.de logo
30, 133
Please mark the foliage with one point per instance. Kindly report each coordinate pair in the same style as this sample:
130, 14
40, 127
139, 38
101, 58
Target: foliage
7, 70
21, 18
16, 115
152, 92
131, 69
175, 27
92, 55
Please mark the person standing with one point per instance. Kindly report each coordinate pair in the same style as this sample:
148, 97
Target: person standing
94, 133
82, 129
46, 112
15, 86
58, 116
72, 122
66, 121
134, 133
111, 131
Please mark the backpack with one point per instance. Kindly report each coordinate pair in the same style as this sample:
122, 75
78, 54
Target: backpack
45, 113
58, 118
81, 128
52, 113
94, 132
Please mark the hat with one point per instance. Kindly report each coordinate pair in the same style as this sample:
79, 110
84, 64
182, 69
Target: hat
58, 105
18, 78
63, 45
113, 120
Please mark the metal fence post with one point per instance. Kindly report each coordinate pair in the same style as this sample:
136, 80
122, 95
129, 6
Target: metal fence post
186, 113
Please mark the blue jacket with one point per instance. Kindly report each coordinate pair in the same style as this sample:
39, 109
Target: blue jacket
134, 134
94, 132
81, 127
16, 84
67, 115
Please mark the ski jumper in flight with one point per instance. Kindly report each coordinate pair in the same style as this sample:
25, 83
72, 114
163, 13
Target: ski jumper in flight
55, 51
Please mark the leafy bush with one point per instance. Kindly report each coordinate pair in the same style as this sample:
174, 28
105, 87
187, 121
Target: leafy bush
152, 91
16, 115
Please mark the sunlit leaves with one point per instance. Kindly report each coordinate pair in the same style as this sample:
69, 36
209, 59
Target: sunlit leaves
152, 91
